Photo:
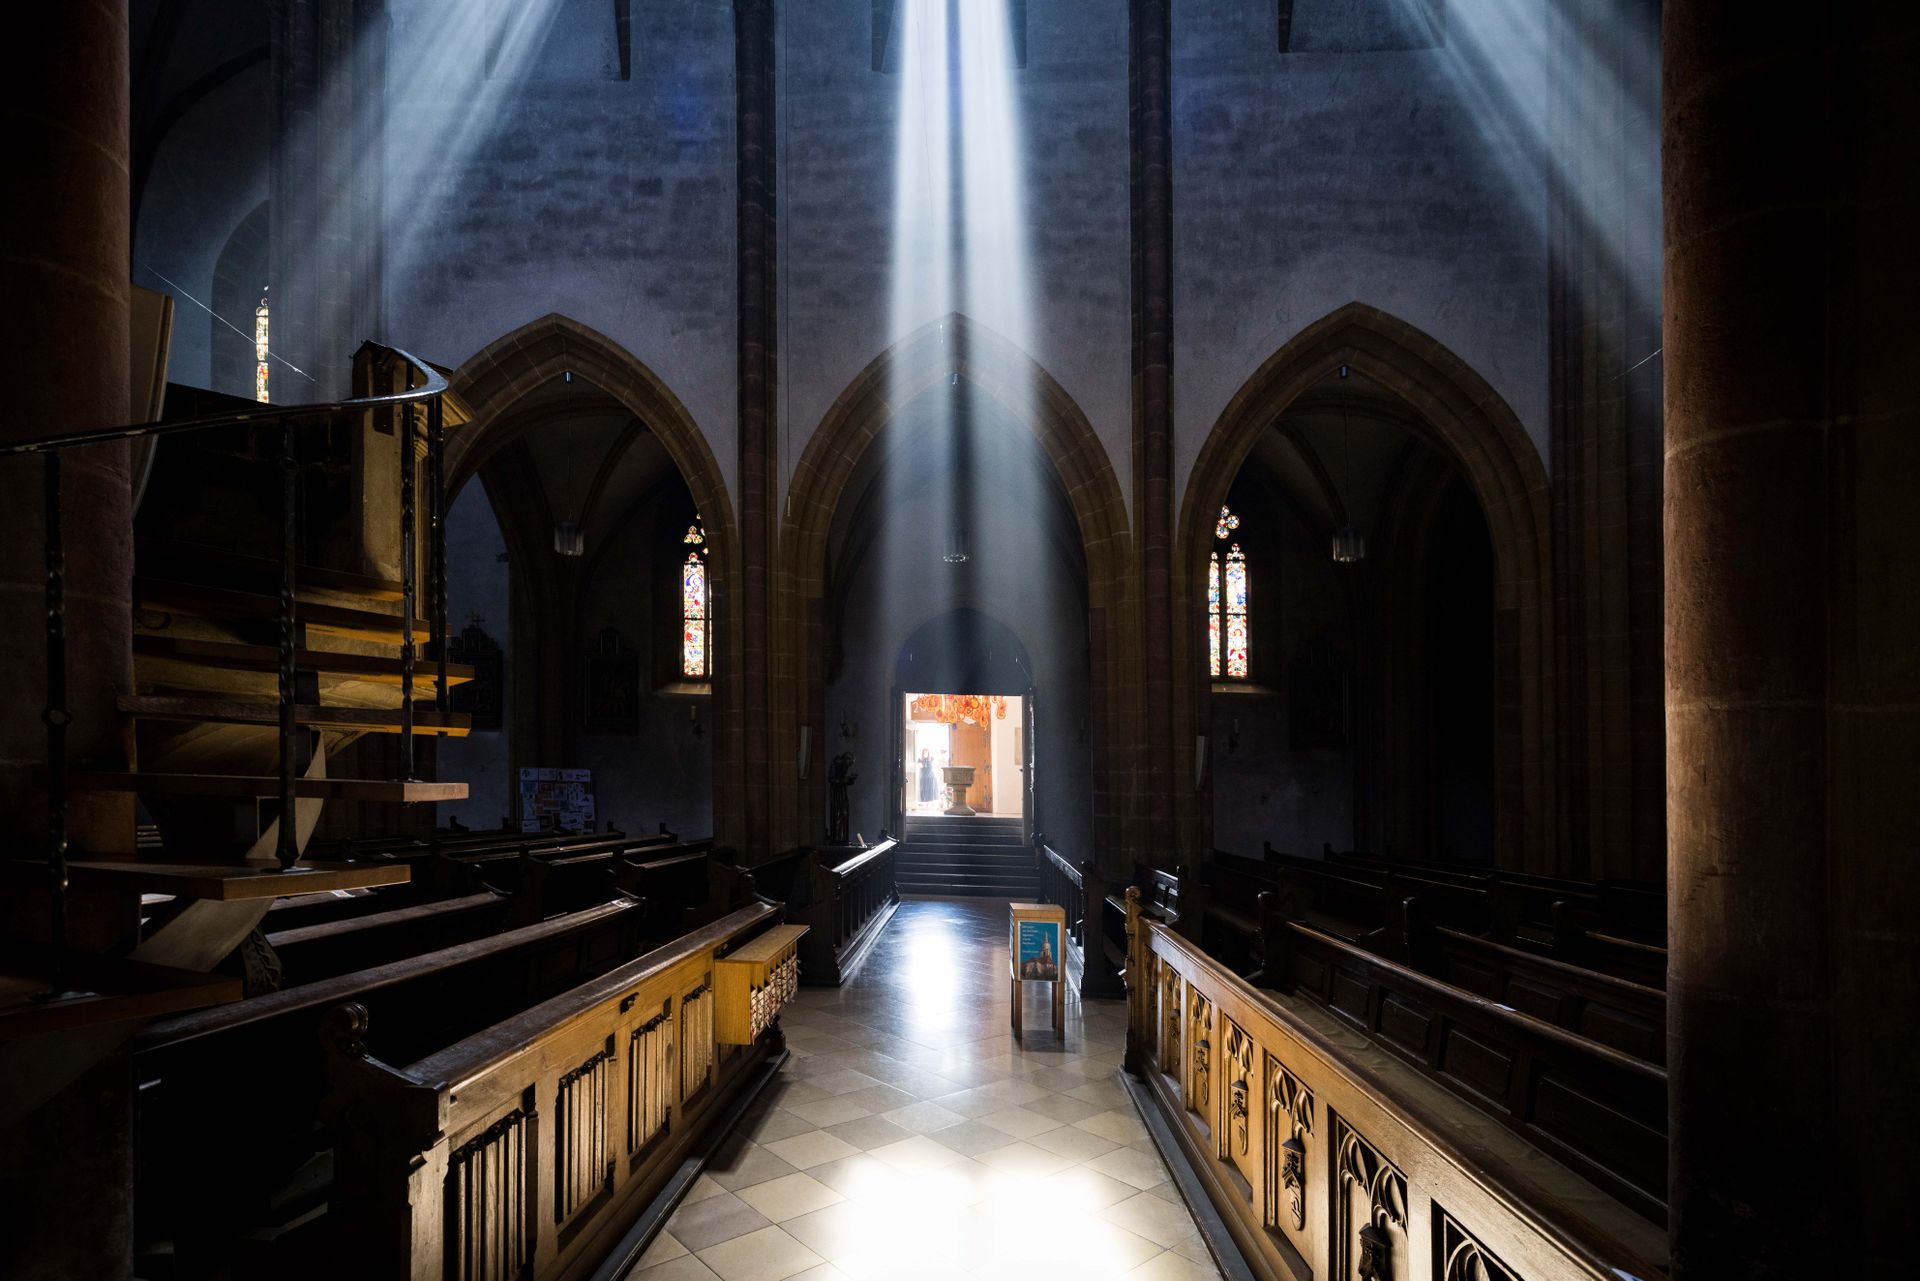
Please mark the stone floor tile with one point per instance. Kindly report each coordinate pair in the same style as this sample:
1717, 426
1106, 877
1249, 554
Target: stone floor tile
789, 1197
766, 1255
815, 1147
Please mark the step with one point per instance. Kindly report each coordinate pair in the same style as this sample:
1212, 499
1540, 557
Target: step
925, 823
226, 602
379, 669
377, 791
379, 720
221, 882
179, 554
948, 860
985, 847
99, 990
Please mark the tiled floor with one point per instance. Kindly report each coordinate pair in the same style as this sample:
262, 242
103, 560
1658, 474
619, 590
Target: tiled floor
911, 1138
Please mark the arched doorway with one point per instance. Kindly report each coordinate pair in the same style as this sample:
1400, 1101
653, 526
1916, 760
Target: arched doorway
1363, 420
601, 507
851, 506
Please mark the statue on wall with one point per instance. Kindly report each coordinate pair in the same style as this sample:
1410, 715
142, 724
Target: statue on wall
840, 777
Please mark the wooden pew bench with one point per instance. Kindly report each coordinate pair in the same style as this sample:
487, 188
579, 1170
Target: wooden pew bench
1594, 1109
228, 1102
1626, 1016
849, 900
530, 1148
1368, 1113
330, 948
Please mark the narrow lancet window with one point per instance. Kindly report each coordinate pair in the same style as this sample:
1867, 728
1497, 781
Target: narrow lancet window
262, 334
1229, 588
695, 642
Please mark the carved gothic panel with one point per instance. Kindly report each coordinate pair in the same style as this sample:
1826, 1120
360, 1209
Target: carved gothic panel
1458, 1256
1369, 1210
1237, 1065
1289, 1126
1200, 1038
1170, 1021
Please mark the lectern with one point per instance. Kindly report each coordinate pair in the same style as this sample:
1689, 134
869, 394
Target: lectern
1036, 953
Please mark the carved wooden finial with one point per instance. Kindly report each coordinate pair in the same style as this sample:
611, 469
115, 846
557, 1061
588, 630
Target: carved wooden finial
343, 1031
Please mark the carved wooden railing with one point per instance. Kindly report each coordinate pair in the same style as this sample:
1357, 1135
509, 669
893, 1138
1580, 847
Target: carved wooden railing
1331, 1155
847, 904
529, 1149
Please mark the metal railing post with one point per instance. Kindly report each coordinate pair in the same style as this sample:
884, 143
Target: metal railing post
406, 593
56, 717
437, 478
287, 850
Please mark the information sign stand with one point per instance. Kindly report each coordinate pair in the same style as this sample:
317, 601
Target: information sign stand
1036, 953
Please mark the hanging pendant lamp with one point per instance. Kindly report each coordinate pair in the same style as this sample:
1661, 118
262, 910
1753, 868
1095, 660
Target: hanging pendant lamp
1349, 544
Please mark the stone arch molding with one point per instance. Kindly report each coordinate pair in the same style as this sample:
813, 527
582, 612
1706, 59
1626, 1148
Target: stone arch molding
490, 386
1460, 413
856, 422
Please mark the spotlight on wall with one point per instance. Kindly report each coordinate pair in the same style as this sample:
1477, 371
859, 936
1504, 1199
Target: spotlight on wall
569, 539
958, 548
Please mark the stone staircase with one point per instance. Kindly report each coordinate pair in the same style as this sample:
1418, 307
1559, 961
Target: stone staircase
970, 857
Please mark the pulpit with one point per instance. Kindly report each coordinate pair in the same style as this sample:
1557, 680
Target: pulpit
958, 779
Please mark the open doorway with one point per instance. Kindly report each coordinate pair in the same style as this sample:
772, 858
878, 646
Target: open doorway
964, 755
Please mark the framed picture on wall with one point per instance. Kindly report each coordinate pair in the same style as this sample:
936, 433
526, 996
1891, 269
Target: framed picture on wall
613, 688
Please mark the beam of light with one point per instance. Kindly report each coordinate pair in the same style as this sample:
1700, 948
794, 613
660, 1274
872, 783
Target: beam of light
1506, 60
923, 179
995, 264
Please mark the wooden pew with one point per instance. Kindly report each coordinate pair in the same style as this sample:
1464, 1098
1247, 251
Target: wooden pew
329, 948
499, 866
851, 895
1229, 923
528, 1149
1600, 1112
1549, 918
1625, 1016
1368, 1119
228, 1099
669, 877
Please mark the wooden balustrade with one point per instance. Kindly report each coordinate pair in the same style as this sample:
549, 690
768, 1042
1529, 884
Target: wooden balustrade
1333, 1150
527, 1150
847, 904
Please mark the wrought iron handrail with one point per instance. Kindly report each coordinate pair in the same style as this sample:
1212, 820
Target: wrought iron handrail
57, 716
252, 416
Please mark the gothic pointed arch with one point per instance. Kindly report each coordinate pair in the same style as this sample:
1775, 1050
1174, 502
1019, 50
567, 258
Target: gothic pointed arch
1453, 408
490, 385
958, 347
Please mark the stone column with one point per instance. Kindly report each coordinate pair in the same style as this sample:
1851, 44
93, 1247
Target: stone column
66, 1170
757, 424
64, 273
1150, 111
1793, 603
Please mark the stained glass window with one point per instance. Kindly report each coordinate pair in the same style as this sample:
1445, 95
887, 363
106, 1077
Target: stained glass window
1213, 615
1229, 626
262, 327
695, 642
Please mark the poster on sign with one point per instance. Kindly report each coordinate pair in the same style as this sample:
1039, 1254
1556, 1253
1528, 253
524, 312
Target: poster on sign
556, 800
1040, 951
1037, 953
